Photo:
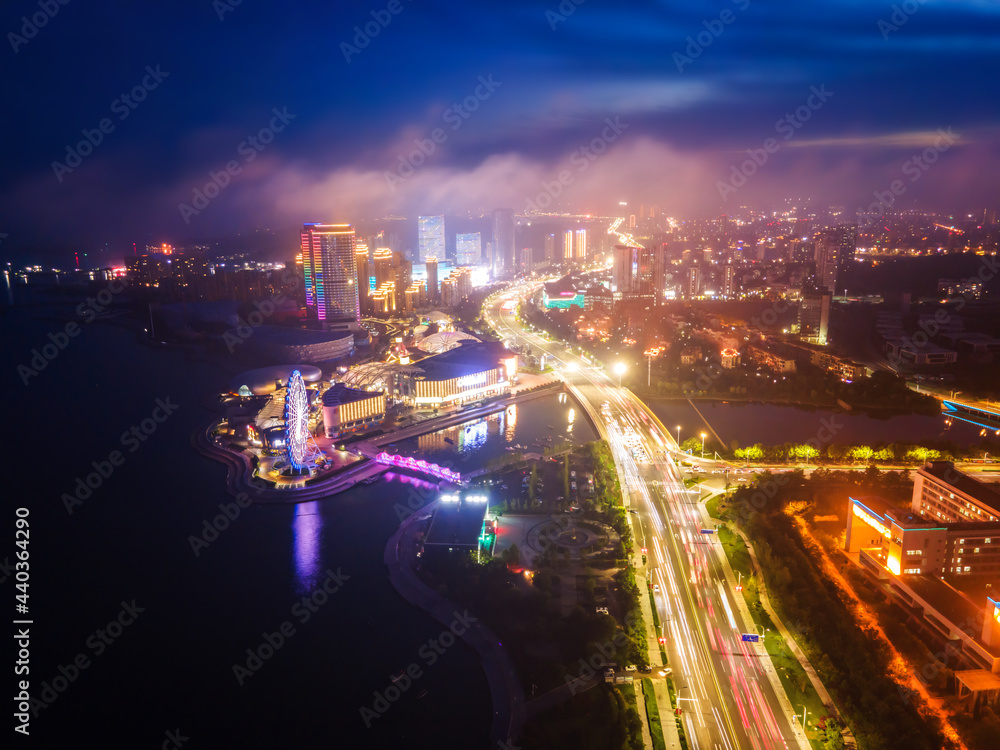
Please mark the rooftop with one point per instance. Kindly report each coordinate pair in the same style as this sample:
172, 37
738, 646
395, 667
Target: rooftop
468, 358
457, 522
340, 393
945, 471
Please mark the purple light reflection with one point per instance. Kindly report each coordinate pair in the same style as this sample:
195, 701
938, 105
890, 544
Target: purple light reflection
307, 528
421, 484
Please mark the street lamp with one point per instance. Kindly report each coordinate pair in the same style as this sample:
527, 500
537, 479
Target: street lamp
703, 446
619, 371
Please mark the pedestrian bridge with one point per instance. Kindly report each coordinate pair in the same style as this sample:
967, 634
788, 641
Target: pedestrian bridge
419, 465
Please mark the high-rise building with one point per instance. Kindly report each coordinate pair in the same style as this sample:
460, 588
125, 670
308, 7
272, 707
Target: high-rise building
814, 315
402, 270
568, 245
430, 231
693, 282
638, 274
834, 252
580, 245
550, 248
383, 266
468, 249
503, 240
361, 261
456, 287
432, 278
330, 272
527, 261
728, 281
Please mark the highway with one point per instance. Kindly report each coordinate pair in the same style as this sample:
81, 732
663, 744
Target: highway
726, 686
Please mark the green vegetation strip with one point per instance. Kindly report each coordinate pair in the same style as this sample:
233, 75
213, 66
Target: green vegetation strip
653, 715
794, 679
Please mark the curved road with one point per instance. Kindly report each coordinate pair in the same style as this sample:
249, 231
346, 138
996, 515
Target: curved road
730, 694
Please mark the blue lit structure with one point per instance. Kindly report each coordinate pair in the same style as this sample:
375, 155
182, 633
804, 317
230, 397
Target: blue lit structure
977, 415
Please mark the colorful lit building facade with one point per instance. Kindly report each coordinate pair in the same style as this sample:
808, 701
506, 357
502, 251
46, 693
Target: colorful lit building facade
329, 268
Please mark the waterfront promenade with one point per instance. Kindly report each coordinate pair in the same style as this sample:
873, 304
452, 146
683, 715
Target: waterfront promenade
240, 476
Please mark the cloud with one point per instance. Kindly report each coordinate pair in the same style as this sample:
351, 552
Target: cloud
916, 139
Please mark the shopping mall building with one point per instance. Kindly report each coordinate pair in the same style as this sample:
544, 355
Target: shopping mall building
939, 560
471, 371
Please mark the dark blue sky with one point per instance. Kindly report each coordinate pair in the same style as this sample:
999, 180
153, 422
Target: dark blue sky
684, 122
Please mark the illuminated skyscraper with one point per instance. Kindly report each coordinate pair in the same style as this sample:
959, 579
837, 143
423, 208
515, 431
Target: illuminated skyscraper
432, 278
728, 281
580, 245
330, 272
638, 273
361, 261
834, 251
568, 244
527, 260
430, 233
468, 249
814, 316
383, 266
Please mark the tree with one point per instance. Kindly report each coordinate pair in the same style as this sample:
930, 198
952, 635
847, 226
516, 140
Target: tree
691, 445
862, 453
511, 556
533, 482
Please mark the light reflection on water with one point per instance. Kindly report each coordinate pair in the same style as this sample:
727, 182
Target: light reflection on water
307, 528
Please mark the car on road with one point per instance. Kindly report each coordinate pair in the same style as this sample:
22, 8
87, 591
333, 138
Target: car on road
656, 588
631, 510
630, 668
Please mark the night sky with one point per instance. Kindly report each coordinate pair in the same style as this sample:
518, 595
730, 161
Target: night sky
686, 111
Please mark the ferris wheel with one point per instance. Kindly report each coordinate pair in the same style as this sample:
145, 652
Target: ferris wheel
300, 448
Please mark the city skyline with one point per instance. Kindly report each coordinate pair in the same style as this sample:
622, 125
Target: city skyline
876, 96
